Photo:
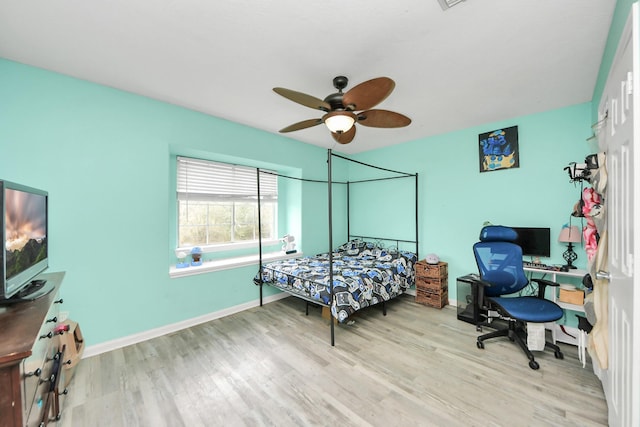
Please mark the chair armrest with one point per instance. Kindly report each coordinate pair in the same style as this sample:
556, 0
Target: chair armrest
479, 284
542, 286
478, 281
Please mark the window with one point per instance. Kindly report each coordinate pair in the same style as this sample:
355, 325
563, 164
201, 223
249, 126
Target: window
217, 203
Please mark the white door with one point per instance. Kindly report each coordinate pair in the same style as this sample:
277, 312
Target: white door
621, 381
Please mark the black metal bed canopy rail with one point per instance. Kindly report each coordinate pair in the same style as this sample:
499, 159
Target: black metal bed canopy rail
330, 183
404, 174
319, 181
357, 236
330, 155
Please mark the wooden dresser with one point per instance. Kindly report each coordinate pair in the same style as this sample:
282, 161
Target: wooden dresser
31, 359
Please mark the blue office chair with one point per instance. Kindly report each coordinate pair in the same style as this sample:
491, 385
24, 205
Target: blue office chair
502, 285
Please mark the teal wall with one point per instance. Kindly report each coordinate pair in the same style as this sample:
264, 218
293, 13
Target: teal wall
620, 15
456, 199
105, 158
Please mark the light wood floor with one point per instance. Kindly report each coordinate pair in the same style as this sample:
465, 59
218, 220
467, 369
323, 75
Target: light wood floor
274, 366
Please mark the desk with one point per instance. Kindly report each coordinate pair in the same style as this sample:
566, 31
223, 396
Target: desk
555, 328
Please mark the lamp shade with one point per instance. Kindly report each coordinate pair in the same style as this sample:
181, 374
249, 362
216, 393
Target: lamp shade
570, 235
339, 121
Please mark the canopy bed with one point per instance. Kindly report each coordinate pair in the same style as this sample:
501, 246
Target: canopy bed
362, 272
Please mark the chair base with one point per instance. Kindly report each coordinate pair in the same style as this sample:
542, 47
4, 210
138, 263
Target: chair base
516, 333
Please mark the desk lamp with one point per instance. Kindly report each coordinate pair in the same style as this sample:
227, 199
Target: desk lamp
570, 235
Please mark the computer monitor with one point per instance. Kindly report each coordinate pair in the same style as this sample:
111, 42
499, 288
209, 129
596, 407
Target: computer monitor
534, 241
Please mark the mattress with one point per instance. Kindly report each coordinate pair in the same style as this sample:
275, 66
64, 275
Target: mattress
364, 274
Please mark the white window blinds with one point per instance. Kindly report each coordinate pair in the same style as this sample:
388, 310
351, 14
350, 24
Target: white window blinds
212, 181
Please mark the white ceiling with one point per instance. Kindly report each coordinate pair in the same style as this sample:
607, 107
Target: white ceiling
478, 62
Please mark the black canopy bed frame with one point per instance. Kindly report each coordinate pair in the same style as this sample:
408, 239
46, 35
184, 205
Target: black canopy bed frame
399, 175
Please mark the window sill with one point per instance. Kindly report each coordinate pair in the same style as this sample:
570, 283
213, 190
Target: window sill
229, 263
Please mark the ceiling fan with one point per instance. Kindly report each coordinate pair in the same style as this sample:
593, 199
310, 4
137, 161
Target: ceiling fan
343, 110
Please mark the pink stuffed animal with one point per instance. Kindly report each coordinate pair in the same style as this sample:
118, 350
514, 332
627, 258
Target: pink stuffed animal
592, 202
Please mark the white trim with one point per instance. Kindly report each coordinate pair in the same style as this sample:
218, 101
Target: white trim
167, 329
228, 263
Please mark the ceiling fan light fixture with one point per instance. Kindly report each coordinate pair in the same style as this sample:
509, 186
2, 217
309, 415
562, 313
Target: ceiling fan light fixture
339, 121
343, 110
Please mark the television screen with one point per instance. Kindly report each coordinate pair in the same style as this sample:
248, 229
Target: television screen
535, 242
24, 236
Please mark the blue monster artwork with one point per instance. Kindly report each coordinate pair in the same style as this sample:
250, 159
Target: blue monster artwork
499, 149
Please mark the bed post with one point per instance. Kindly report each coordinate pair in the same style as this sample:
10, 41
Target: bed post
329, 155
417, 249
348, 213
259, 232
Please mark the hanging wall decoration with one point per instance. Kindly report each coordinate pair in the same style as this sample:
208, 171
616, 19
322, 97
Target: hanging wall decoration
499, 149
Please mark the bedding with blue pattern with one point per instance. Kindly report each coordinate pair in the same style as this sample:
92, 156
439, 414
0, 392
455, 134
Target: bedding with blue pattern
364, 274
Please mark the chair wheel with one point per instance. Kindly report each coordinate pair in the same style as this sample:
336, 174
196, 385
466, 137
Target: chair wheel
534, 365
479, 328
558, 354
480, 344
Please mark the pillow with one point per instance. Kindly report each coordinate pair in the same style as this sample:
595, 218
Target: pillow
352, 247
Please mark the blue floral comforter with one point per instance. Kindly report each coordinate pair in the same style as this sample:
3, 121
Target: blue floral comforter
363, 275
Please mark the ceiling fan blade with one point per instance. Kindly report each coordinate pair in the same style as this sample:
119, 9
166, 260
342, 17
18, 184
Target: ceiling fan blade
345, 137
301, 125
383, 119
303, 99
368, 94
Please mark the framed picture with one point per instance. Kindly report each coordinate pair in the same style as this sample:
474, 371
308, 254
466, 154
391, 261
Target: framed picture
498, 149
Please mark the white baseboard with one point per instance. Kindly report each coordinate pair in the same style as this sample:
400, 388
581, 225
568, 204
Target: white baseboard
167, 329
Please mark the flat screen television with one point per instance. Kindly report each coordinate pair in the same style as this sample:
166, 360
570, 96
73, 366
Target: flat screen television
534, 241
24, 223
